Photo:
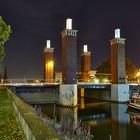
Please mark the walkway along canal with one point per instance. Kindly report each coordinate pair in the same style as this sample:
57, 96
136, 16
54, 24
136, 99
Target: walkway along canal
9, 129
31, 125
107, 121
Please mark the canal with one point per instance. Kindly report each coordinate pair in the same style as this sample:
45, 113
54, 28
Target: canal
108, 121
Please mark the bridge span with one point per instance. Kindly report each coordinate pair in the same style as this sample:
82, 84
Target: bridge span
40, 93
79, 85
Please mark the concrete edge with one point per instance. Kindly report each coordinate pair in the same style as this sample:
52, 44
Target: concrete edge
33, 127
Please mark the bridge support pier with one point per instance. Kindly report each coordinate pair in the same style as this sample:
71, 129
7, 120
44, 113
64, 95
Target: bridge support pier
120, 92
67, 95
82, 91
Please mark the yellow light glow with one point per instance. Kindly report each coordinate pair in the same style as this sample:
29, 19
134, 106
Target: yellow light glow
49, 70
93, 123
82, 92
106, 80
50, 64
138, 73
96, 81
82, 105
36, 81
49, 67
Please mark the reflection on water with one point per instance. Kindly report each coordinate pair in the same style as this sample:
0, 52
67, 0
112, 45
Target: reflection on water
67, 126
108, 121
135, 119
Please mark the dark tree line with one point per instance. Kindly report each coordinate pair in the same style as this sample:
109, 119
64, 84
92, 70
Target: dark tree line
130, 67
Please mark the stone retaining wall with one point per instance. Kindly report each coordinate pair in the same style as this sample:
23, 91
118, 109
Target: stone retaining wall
33, 127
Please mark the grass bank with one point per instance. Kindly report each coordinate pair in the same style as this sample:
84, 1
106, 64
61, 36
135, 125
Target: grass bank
9, 130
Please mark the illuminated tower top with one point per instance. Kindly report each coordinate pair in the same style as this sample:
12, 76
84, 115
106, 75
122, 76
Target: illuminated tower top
48, 44
48, 47
117, 33
68, 29
69, 23
117, 38
85, 48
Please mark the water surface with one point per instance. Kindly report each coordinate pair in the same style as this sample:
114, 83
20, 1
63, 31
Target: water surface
108, 121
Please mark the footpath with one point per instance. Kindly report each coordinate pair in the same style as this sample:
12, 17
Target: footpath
9, 129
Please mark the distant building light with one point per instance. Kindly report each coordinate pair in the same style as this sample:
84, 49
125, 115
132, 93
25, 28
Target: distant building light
117, 33
85, 48
37, 81
48, 44
96, 81
69, 23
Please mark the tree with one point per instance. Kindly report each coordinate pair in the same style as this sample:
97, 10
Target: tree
5, 31
105, 67
130, 68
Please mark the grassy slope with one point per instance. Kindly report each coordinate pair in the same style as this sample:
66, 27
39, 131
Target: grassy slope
9, 129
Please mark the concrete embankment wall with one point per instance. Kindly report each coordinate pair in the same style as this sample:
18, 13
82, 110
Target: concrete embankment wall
33, 127
36, 94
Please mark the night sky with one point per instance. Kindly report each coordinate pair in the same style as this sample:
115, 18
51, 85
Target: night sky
35, 21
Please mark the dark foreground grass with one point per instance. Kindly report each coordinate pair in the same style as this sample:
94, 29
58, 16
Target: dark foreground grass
9, 130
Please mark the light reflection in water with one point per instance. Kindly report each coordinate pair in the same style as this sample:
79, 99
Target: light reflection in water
108, 121
82, 103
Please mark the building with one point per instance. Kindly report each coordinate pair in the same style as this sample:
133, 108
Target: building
69, 54
118, 59
48, 63
85, 65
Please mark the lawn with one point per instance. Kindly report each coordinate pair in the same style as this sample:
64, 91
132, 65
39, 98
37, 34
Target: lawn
9, 130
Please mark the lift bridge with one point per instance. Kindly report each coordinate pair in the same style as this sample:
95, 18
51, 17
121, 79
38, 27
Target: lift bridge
36, 93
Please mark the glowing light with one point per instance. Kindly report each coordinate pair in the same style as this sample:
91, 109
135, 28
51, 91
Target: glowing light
37, 81
138, 74
117, 33
48, 43
82, 92
50, 65
85, 48
69, 23
105, 80
96, 81
82, 105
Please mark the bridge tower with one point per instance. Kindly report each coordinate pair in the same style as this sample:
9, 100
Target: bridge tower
118, 59
69, 53
48, 63
68, 88
85, 64
119, 88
